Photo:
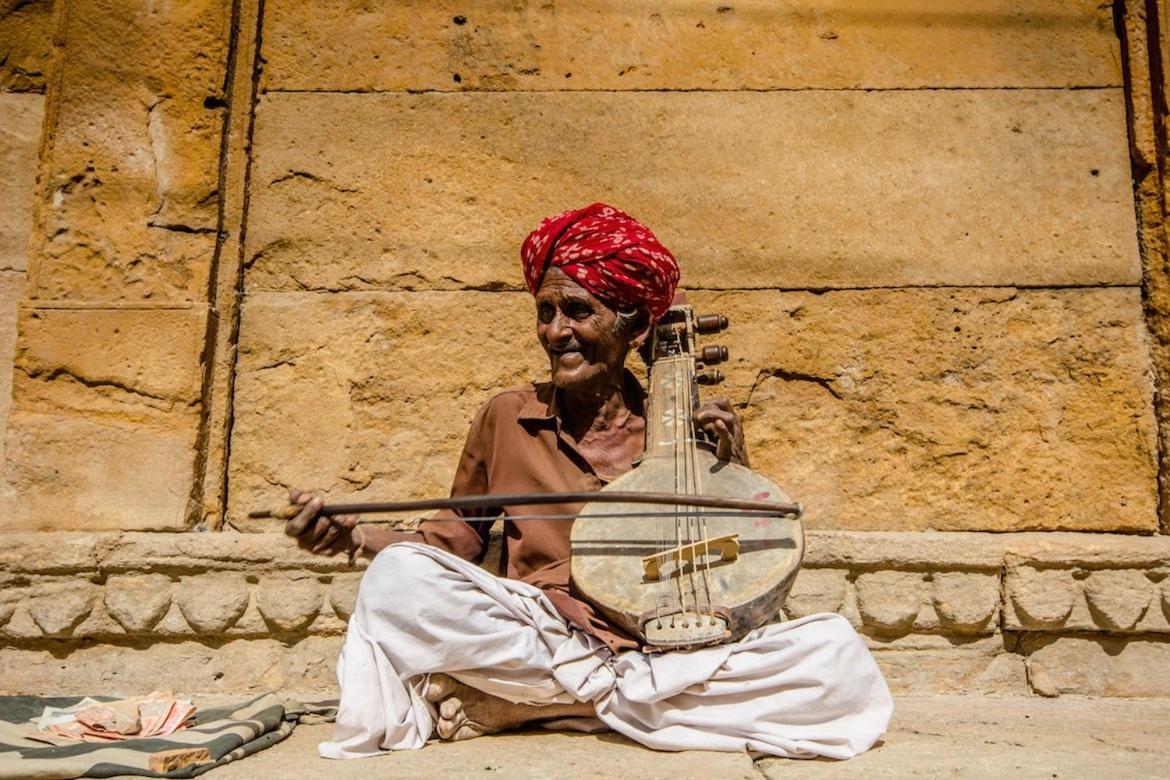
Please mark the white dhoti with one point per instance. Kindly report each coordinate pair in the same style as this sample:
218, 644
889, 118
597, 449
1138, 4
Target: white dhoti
800, 689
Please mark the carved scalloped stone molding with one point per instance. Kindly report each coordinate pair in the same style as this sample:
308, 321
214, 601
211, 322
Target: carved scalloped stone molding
1088, 583
888, 584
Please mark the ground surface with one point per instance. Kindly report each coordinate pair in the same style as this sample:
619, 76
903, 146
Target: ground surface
937, 736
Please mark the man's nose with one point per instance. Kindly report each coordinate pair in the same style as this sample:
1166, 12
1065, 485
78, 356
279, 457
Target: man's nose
559, 328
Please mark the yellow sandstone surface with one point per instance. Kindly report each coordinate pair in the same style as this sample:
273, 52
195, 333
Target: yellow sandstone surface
750, 190
656, 44
20, 129
947, 409
128, 201
920, 219
25, 49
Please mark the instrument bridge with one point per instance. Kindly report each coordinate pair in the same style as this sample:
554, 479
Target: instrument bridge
726, 547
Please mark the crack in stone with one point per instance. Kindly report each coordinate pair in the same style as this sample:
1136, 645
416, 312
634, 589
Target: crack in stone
180, 228
305, 175
95, 384
789, 376
276, 364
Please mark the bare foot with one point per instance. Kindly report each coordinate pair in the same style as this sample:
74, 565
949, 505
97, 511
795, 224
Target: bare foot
466, 713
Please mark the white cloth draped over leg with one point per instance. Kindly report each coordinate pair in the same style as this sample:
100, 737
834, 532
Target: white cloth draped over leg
800, 689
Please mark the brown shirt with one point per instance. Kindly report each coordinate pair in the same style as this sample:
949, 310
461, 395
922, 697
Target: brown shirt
517, 445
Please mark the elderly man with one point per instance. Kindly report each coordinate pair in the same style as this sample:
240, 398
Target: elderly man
437, 645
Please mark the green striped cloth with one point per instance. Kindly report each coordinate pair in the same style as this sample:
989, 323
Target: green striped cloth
219, 735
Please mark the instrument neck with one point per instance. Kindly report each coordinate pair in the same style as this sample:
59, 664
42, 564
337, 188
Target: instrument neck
670, 406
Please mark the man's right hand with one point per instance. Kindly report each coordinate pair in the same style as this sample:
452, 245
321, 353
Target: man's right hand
326, 535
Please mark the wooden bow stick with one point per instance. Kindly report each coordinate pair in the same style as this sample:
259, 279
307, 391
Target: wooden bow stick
749, 507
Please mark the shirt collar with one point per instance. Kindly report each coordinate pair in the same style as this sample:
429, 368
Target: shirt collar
544, 404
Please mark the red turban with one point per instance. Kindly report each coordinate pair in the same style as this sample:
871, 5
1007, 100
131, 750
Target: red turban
607, 252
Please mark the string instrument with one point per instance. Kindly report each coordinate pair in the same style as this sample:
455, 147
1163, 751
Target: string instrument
693, 575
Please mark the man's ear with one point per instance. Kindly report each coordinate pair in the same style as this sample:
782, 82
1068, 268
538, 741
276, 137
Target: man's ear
640, 328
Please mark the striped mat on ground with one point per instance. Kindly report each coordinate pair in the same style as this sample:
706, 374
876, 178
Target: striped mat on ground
218, 735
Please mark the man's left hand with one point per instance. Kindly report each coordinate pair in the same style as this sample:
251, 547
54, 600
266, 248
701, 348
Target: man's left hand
718, 418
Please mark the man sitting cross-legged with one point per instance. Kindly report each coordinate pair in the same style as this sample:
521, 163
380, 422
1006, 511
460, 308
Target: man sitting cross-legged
438, 645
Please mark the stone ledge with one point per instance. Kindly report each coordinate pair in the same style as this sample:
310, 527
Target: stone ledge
949, 586
902, 550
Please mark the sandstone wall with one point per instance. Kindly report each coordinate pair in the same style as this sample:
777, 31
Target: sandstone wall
276, 244
108, 379
920, 219
24, 54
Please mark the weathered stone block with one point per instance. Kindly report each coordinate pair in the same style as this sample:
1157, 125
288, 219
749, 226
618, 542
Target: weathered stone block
20, 131
816, 590
19, 624
137, 602
26, 46
289, 604
1115, 600
889, 601
1110, 583
66, 472
129, 362
1098, 666
219, 551
1043, 598
1118, 599
924, 551
10, 598
948, 409
367, 394
1094, 551
753, 44
965, 602
214, 603
11, 291
926, 409
59, 607
129, 191
973, 187
20, 127
343, 594
60, 552
975, 667
239, 666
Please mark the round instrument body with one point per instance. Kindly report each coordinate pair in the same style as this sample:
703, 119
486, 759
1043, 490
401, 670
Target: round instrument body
608, 553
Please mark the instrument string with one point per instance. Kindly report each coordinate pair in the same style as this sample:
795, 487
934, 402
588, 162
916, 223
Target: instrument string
685, 448
701, 523
680, 485
665, 594
685, 422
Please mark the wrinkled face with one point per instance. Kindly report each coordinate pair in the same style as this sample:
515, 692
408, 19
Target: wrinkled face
586, 348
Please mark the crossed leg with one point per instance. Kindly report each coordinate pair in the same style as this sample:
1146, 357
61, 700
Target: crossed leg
466, 713
806, 687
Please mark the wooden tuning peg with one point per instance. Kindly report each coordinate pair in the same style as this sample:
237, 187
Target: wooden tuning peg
711, 323
712, 355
